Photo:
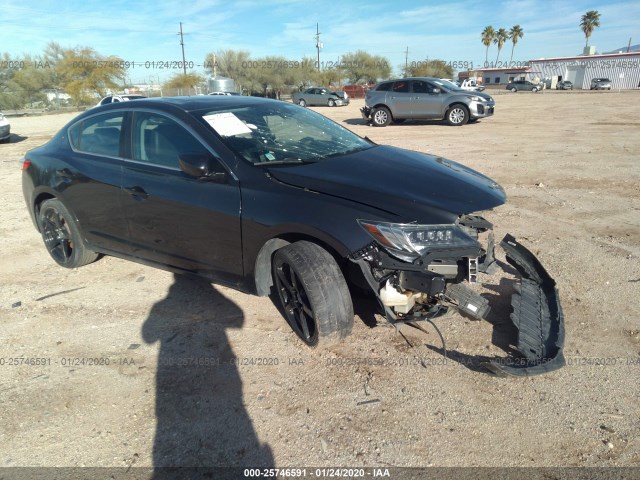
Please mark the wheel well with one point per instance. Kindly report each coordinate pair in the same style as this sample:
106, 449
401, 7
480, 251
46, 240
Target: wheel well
40, 199
262, 273
457, 103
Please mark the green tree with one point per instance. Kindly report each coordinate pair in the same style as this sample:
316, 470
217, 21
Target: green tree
488, 35
588, 23
361, 67
233, 64
501, 36
184, 84
515, 34
87, 75
430, 68
305, 74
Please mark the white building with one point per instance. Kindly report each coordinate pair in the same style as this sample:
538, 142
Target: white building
623, 69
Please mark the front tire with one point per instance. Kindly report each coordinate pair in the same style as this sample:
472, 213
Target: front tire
457, 115
313, 293
62, 236
331, 102
381, 116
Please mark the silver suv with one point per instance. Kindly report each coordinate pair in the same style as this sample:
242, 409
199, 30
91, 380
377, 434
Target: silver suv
425, 98
600, 84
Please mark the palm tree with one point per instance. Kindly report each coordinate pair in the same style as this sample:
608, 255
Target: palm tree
488, 34
589, 21
515, 34
501, 36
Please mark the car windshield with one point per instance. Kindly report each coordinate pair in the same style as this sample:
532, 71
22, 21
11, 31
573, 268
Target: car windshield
281, 133
447, 84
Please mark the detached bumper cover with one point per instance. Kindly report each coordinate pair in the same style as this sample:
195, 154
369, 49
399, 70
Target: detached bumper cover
536, 313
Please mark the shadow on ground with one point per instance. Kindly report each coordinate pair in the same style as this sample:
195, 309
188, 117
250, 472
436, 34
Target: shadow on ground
201, 419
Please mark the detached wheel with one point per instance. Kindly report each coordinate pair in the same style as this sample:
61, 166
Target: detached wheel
302, 103
62, 237
331, 102
457, 115
313, 293
381, 116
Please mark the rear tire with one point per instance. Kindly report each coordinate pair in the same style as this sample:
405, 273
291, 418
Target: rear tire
62, 236
313, 293
381, 116
513, 89
302, 103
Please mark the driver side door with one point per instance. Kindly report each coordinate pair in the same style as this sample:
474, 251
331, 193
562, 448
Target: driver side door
176, 219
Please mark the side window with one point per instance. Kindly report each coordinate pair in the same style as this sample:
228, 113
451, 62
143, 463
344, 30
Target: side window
384, 87
401, 87
421, 87
99, 135
159, 140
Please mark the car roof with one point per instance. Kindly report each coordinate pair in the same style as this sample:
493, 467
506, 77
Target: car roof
188, 104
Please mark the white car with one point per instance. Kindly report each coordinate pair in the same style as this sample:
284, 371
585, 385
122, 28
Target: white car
118, 98
5, 129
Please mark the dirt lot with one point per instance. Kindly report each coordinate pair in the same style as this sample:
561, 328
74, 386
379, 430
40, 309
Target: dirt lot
570, 164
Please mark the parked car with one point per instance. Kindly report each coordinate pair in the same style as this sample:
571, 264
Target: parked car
524, 85
118, 98
600, 84
428, 98
268, 197
564, 85
5, 129
320, 96
223, 93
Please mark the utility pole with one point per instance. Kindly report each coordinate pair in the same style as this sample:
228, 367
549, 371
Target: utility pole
406, 61
318, 43
184, 63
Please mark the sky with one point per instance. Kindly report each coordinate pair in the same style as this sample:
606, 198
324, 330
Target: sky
146, 31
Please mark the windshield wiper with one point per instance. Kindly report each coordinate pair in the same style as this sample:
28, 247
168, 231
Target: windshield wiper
284, 162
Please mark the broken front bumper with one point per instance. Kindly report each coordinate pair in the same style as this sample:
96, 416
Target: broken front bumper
536, 313
536, 310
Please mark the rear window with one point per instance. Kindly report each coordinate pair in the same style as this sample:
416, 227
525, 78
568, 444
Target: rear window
99, 134
402, 86
384, 87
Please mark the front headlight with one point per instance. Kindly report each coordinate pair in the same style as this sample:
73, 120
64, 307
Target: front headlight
477, 99
410, 241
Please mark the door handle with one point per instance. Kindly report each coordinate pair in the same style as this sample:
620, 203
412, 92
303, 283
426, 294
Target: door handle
136, 192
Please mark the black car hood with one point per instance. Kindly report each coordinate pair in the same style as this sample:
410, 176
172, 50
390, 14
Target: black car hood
412, 186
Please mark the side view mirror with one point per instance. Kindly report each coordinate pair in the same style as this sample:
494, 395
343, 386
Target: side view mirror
436, 90
202, 166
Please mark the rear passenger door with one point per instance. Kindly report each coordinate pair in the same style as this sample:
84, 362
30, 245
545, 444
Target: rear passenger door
399, 99
90, 180
175, 219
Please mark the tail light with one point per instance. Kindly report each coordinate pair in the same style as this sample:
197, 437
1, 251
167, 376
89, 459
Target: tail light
25, 164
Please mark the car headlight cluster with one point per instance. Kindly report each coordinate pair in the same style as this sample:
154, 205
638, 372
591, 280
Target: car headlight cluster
410, 241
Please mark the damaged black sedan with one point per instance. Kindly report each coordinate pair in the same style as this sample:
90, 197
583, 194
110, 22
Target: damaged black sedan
268, 197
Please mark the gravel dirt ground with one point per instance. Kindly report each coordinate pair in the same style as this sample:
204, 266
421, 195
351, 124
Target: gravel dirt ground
117, 364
